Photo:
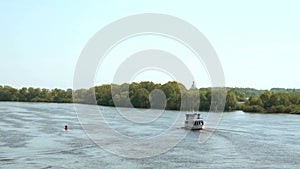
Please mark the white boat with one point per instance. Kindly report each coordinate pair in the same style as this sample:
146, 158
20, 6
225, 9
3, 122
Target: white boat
193, 121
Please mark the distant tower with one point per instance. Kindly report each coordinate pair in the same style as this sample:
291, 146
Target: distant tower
193, 87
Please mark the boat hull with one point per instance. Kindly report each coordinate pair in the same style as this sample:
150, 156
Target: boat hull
193, 127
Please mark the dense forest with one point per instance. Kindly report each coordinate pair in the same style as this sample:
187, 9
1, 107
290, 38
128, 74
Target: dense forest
171, 96
273, 102
31, 94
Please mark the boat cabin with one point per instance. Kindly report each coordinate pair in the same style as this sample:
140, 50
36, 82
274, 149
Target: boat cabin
193, 121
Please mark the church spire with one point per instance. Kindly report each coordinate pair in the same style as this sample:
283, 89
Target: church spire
193, 87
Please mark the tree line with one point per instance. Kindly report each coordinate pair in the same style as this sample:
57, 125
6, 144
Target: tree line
273, 102
170, 96
8, 93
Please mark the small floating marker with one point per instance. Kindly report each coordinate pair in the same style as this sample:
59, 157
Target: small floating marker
66, 127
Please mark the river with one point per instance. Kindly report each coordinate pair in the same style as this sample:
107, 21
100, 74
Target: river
32, 136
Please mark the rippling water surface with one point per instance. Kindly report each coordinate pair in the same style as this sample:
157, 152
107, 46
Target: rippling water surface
32, 136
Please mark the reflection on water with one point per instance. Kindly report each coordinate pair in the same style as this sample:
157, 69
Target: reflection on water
32, 136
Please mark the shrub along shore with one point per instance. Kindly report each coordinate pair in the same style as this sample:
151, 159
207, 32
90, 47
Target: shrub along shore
170, 96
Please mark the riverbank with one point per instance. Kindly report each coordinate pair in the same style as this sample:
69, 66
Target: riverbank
170, 96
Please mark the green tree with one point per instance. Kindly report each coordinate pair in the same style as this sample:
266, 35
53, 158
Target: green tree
122, 99
23, 94
240, 96
8, 93
265, 97
231, 101
205, 99
158, 99
140, 99
103, 95
149, 86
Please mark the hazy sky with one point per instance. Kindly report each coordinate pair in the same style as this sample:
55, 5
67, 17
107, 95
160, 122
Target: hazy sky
258, 42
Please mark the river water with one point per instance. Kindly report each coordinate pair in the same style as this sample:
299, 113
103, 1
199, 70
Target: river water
32, 136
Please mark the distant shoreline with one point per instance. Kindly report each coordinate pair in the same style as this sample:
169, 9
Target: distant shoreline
163, 96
